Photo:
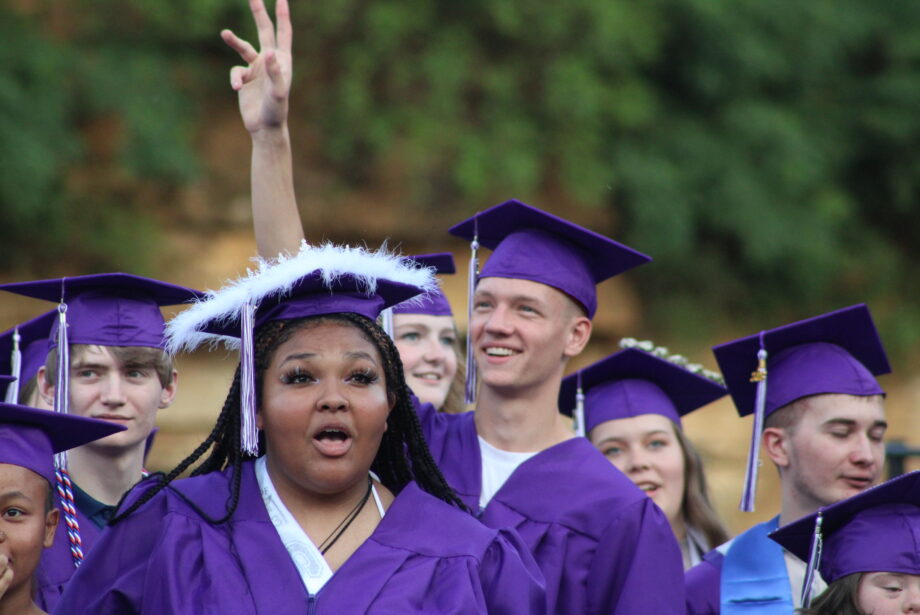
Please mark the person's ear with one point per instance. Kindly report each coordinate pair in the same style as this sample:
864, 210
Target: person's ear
51, 522
168, 394
578, 335
45, 388
776, 443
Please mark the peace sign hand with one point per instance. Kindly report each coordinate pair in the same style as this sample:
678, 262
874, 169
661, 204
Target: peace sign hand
264, 84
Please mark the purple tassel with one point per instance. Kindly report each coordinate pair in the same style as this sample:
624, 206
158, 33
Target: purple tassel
753, 464
62, 386
12, 391
386, 323
579, 413
249, 436
814, 560
471, 375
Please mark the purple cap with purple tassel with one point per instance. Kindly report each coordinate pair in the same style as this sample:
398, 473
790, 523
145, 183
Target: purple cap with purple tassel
876, 530
837, 352
318, 280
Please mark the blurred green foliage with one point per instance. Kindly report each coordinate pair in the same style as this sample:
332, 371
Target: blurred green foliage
765, 153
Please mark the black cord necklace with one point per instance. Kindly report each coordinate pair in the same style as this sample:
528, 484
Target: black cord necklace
347, 521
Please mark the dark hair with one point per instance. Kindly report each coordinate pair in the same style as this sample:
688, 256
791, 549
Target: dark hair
696, 507
403, 455
838, 599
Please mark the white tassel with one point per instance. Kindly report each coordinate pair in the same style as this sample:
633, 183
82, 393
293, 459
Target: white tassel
249, 436
814, 560
579, 413
62, 386
471, 374
749, 494
386, 323
12, 391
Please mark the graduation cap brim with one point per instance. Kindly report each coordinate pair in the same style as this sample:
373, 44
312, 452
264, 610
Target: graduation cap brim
796, 537
687, 391
604, 257
441, 262
64, 431
161, 293
851, 328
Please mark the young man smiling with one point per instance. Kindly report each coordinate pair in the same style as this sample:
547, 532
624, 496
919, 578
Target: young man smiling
105, 362
823, 429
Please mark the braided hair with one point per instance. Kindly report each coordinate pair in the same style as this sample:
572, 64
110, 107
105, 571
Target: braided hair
403, 455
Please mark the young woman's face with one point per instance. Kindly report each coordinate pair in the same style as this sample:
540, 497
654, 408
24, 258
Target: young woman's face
324, 408
647, 450
888, 593
25, 527
426, 346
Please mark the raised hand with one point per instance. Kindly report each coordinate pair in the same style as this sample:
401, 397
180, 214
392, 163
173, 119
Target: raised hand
6, 575
264, 84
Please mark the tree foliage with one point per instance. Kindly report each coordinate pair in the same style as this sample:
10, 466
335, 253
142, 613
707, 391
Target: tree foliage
764, 153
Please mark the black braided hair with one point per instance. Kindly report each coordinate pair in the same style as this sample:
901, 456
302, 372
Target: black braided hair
403, 454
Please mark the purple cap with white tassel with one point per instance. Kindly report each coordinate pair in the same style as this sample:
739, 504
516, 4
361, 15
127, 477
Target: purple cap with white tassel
837, 352
317, 281
23, 350
531, 244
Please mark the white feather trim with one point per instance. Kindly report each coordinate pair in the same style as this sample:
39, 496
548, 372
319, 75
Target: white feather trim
276, 277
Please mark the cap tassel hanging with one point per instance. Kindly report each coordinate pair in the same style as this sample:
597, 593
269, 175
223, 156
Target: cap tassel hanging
471, 375
579, 413
12, 391
817, 544
753, 463
62, 386
249, 437
386, 322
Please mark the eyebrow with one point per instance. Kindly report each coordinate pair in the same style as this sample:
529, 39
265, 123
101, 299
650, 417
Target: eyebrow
852, 423
85, 364
12, 495
357, 354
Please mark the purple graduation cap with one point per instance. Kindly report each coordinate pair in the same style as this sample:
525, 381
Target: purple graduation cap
108, 309
319, 280
877, 530
838, 352
633, 382
434, 303
30, 437
530, 244
23, 350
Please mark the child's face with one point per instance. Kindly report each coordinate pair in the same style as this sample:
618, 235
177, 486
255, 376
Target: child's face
25, 527
888, 593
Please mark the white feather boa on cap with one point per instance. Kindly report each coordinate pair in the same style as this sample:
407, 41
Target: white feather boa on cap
276, 277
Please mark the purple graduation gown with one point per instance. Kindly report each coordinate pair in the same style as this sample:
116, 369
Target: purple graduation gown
703, 583
56, 565
424, 557
602, 544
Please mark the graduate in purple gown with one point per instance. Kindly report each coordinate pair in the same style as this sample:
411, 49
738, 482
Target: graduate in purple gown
103, 358
319, 494
820, 418
29, 440
866, 547
425, 334
602, 545
631, 404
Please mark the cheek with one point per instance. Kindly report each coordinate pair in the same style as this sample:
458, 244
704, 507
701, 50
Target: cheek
409, 354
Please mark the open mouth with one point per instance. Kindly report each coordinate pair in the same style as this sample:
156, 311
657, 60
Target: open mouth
858, 482
500, 351
332, 441
431, 377
649, 488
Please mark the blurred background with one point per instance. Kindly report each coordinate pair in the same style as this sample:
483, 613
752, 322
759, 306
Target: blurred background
765, 154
